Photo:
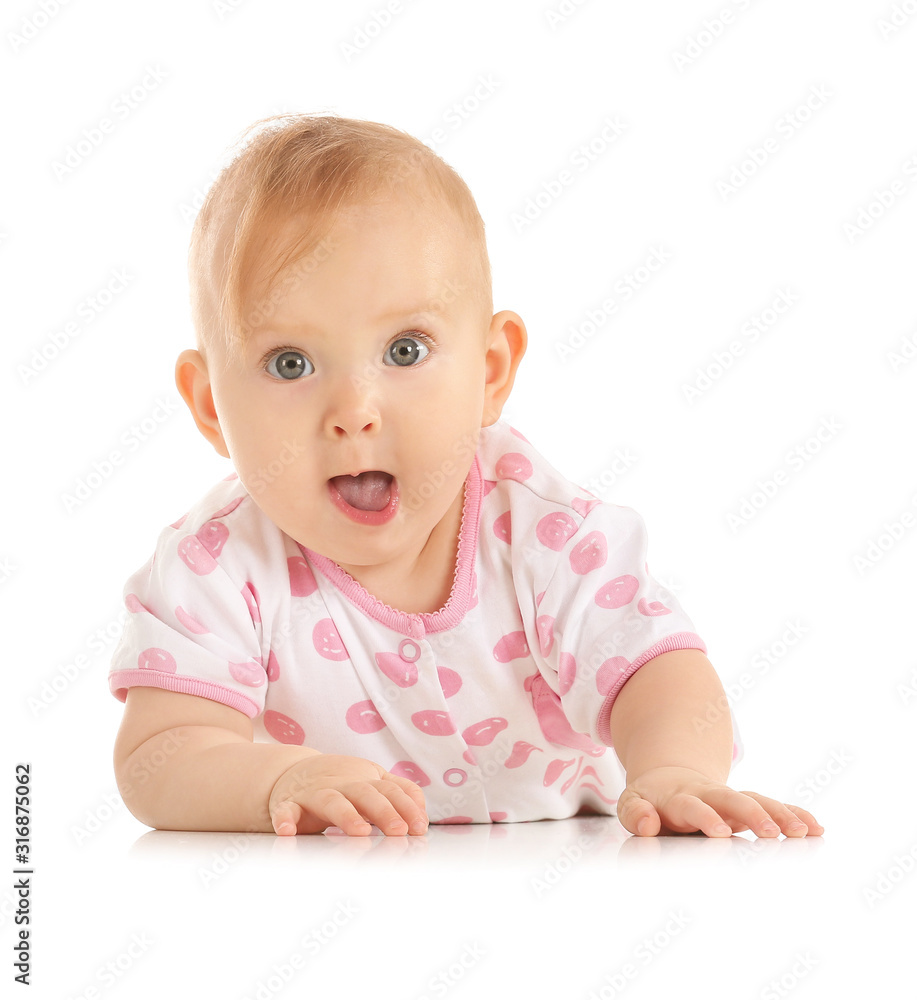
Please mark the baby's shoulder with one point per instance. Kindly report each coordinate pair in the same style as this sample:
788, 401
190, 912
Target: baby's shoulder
225, 527
521, 480
224, 500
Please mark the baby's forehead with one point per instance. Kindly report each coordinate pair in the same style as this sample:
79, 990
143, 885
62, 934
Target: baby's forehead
435, 247
422, 211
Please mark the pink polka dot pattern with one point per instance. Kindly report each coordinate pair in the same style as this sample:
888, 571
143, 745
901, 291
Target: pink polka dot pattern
251, 674
212, 536
408, 769
449, 680
179, 522
434, 723
545, 626
486, 486
503, 528
512, 646
651, 608
609, 673
398, 670
133, 604
482, 734
553, 722
620, 591
589, 554
582, 505
515, 466
190, 622
229, 508
284, 729
273, 667
566, 672
193, 554
455, 776
555, 769
157, 659
250, 596
553, 530
497, 817
363, 718
327, 641
302, 579
469, 758
521, 752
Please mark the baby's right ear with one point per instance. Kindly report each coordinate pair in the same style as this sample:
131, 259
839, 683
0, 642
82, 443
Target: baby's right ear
193, 382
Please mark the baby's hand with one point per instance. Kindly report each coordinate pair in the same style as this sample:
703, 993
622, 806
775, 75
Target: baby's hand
680, 800
348, 792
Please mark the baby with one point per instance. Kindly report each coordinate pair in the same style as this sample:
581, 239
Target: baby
395, 611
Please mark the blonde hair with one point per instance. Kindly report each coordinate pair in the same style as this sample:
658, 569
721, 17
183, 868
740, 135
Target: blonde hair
309, 168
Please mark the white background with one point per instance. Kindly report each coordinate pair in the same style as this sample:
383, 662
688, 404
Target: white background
516, 92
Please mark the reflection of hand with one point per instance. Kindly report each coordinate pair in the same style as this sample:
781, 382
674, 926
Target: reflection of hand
348, 792
680, 800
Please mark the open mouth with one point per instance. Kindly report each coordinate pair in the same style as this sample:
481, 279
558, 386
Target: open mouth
369, 498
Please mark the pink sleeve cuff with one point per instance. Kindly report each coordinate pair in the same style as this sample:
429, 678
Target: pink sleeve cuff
121, 680
678, 640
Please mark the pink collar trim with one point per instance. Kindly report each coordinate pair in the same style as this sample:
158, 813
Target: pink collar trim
460, 597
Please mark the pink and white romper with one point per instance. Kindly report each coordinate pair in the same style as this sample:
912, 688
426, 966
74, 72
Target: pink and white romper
497, 705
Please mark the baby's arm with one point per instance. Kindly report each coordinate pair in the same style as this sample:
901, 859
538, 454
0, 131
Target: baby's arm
189, 763
677, 754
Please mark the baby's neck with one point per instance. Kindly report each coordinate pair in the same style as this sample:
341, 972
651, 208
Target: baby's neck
424, 587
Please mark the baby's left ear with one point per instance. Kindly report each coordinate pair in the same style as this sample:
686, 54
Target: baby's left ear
506, 342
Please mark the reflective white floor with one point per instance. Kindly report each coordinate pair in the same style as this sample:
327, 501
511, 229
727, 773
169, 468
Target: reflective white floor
573, 908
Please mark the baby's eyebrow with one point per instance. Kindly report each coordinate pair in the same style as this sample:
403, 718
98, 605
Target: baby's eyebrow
278, 325
426, 309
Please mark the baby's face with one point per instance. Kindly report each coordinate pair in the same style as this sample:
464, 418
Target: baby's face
373, 362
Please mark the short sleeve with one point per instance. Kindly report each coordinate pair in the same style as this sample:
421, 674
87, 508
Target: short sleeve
601, 615
190, 628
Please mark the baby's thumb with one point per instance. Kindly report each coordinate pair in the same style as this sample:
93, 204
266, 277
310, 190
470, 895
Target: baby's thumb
285, 818
637, 816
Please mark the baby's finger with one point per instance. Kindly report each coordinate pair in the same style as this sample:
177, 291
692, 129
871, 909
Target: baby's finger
686, 813
406, 805
815, 828
791, 820
332, 808
741, 811
411, 788
285, 819
387, 805
637, 815
763, 816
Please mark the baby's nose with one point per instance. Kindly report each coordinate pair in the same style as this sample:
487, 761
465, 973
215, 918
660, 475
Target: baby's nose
352, 408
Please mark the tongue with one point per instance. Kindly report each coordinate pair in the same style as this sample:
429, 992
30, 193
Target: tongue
368, 491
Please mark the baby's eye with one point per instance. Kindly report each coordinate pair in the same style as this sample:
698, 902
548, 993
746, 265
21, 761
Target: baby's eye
289, 365
406, 351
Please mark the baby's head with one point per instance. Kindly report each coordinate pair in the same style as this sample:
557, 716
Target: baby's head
271, 207
341, 295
